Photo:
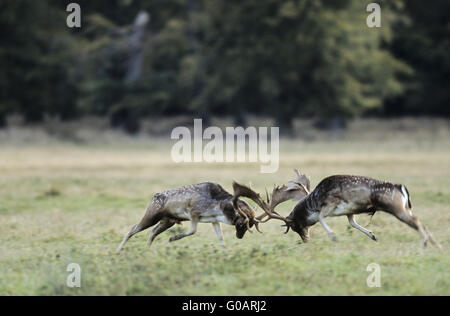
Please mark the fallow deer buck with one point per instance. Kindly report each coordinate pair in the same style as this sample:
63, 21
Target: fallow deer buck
199, 203
340, 195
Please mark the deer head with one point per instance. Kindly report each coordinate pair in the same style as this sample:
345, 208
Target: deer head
296, 189
246, 218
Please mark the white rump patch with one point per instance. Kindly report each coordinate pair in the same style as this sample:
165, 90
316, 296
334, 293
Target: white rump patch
405, 197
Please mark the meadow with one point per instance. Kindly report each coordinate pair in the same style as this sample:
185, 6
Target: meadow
71, 200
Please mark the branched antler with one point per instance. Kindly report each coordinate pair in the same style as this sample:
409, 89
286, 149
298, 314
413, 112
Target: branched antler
296, 189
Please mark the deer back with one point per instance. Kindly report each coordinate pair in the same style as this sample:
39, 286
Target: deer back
364, 192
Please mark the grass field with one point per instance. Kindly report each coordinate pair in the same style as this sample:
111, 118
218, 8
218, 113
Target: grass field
65, 202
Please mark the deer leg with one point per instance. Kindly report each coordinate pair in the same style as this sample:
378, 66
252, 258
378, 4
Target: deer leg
414, 223
430, 236
194, 222
219, 233
134, 230
354, 224
162, 226
149, 219
322, 215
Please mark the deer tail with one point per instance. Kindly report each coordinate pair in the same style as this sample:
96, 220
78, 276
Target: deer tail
405, 193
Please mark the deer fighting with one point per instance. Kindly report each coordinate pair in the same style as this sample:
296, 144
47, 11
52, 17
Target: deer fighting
338, 195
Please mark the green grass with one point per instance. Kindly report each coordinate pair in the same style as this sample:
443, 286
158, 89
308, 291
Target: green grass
63, 203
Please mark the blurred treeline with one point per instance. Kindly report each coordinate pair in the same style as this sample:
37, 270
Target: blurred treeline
284, 59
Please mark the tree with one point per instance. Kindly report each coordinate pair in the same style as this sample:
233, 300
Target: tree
34, 58
291, 58
422, 39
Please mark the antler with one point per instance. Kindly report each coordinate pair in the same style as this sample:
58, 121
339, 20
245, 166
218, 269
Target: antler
242, 190
302, 181
296, 189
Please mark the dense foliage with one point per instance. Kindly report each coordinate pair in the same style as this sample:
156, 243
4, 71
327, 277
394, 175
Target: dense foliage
278, 58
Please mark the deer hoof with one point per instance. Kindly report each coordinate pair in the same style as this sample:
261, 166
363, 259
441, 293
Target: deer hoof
374, 238
333, 237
